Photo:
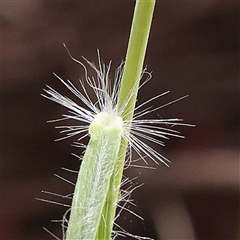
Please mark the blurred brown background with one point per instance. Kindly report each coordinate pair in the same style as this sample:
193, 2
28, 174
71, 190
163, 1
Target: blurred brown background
193, 49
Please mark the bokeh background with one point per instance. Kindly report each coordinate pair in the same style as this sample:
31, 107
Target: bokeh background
193, 49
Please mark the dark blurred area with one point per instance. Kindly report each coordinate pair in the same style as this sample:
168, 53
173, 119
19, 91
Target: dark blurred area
193, 49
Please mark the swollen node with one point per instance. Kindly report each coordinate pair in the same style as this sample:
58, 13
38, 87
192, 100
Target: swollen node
106, 121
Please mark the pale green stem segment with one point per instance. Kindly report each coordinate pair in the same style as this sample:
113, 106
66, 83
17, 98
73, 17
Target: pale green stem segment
136, 51
94, 176
137, 45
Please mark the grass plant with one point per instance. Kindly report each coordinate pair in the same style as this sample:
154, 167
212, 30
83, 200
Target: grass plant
115, 127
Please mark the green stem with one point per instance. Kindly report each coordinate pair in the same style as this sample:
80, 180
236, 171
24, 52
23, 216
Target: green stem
135, 55
139, 35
